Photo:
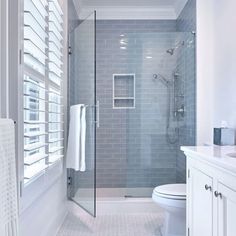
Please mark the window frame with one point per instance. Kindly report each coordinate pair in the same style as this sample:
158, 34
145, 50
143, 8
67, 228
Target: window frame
4, 65
44, 180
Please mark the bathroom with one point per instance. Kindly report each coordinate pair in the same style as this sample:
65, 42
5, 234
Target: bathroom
121, 117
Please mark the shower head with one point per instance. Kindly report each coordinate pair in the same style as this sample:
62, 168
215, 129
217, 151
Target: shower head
171, 51
160, 77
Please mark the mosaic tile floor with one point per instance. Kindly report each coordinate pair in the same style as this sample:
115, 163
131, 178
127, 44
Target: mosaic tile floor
130, 224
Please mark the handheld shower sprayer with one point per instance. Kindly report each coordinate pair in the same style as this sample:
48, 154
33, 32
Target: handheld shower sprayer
160, 77
168, 84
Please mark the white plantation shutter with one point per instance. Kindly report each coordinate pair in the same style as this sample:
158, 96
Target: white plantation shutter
43, 110
55, 77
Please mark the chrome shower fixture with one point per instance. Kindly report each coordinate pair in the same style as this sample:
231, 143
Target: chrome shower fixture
168, 84
176, 74
160, 77
171, 51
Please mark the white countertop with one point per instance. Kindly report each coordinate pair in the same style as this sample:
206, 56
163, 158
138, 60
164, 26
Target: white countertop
214, 154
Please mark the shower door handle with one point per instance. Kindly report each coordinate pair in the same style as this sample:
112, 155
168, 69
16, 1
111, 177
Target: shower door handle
97, 114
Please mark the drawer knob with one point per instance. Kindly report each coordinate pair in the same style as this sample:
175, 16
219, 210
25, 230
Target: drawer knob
207, 187
217, 194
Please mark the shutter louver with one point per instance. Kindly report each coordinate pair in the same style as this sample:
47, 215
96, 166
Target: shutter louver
55, 76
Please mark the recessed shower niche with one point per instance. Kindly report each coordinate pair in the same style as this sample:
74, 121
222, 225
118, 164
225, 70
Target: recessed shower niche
123, 91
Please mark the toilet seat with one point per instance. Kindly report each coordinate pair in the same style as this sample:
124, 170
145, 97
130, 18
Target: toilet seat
171, 191
172, 199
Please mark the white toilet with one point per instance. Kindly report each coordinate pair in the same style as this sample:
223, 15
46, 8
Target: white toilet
172, 198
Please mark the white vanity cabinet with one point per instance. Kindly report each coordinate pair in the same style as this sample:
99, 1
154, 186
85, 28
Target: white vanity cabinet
200, 203
211, 192
226, 216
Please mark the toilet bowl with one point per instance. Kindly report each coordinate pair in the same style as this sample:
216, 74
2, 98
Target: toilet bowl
172, 199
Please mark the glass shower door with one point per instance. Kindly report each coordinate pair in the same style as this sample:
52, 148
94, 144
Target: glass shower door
82, 90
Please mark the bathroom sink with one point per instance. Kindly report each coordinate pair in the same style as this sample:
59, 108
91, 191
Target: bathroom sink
232, 154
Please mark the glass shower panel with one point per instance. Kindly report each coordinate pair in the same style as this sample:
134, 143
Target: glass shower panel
82, 90
164, 114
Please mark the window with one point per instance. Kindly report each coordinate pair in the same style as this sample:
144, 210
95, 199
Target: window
43, 87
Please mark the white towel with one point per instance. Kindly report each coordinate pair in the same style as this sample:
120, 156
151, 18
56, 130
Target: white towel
77, 138
83, 139
8, 181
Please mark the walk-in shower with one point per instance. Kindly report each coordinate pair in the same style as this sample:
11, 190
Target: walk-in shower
145, 84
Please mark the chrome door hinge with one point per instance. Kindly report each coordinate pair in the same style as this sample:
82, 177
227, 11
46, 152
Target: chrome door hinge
69, 50
21, 189
188, 173
20, 56
69, 181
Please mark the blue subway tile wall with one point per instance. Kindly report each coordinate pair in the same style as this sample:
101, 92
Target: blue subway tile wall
131, 144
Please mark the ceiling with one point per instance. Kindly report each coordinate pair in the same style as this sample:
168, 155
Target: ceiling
131, 9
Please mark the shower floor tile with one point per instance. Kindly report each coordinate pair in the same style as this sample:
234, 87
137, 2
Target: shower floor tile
130, 224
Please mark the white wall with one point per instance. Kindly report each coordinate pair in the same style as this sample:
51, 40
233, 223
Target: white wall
46, 213
204, 70
225, 62
216, 67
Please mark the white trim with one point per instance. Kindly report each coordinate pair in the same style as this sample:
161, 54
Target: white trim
4, 60
45, 102
48, 192
20, 105
128, 13
1, 2
123, 98
143, 11
40, 185
7, 61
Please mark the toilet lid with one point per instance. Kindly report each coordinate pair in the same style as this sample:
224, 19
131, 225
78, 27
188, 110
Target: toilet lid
178, 190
